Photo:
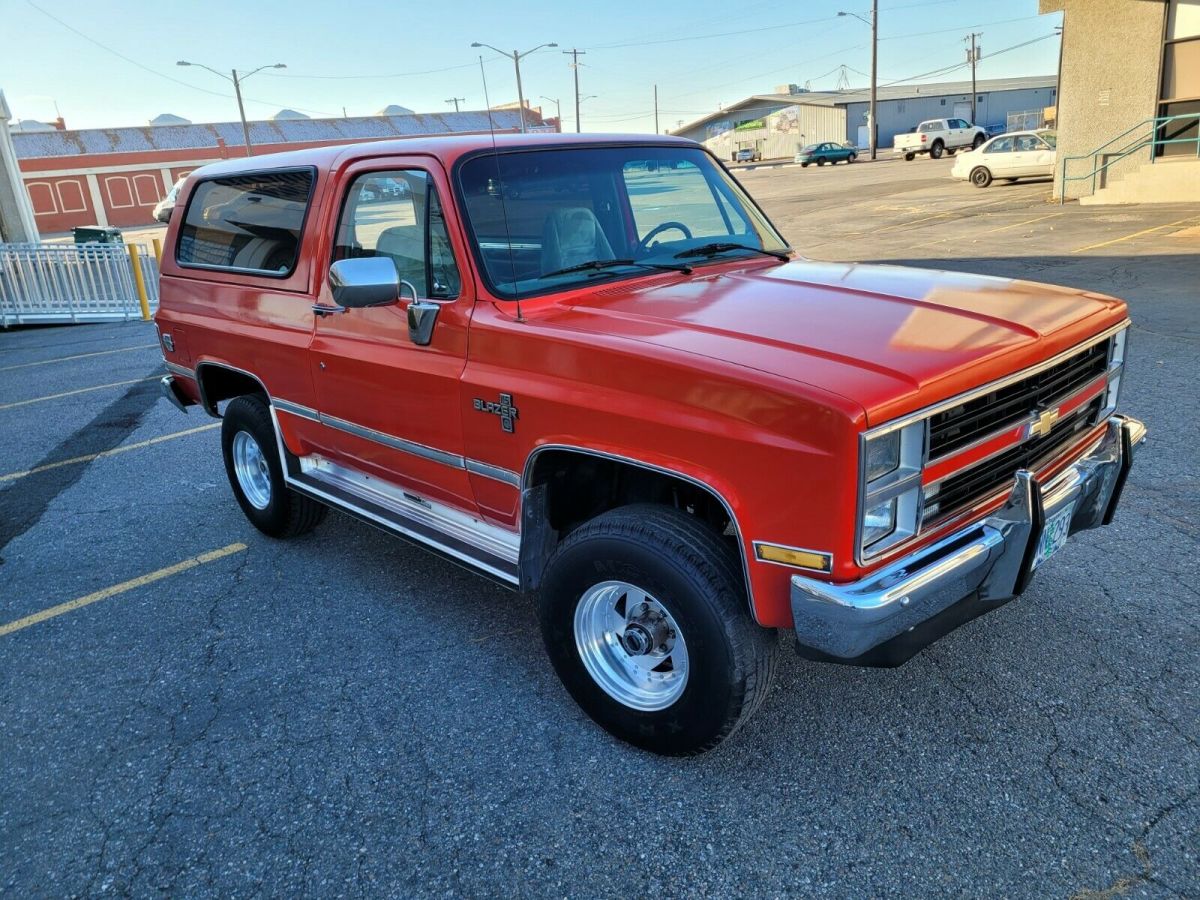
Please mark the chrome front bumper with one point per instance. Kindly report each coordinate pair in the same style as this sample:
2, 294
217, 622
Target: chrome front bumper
894, 612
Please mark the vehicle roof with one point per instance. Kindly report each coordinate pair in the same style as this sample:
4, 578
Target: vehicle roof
446, 148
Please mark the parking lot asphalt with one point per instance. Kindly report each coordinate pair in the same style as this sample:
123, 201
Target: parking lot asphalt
213, 713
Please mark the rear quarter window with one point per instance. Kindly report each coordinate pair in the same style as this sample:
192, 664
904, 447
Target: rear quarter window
246, 223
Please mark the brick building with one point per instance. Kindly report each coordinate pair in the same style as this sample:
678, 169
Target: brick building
115, 176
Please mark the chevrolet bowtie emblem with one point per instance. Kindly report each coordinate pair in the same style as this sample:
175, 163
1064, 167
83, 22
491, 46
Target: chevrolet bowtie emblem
1040, 427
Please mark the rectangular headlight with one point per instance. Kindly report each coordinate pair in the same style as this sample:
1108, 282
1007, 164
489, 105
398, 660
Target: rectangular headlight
878, 522
883, 455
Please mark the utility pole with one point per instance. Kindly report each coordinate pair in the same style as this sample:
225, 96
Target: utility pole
874, 130
973, 59
515, 56
575, 53
456, 101
656, 109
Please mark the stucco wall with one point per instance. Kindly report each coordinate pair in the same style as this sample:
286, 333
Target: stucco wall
1109, 82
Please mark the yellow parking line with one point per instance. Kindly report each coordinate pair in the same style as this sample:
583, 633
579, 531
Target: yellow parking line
992, 230
12, 476
1131, 236
140, 581
98, 387
46, 362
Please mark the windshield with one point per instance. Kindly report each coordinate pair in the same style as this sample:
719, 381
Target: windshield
535, 214
1050, 137
809, 149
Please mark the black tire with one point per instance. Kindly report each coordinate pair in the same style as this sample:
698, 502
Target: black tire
287, 514
852, 157
696, 576
935, 151
979, 139
981, 177
820, 160
804, 165
909, 157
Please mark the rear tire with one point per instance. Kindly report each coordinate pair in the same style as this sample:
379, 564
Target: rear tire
909, 157
981, 177
256, 475
652, 576
935, 152
821, 161
852, 157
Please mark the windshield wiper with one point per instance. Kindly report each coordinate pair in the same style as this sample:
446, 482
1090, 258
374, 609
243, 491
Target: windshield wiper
709, 250
599, 264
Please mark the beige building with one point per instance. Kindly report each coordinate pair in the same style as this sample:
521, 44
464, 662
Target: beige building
1126, 64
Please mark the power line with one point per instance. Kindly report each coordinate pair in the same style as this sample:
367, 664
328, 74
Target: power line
144, 68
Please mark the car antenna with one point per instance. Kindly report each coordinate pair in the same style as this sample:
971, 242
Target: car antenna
500, 182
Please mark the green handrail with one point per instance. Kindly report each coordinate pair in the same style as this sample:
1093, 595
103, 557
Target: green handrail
1151, 140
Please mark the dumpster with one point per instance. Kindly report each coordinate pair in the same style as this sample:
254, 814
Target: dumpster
96, 234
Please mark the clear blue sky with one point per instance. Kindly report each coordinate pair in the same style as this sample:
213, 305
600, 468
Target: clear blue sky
701, 53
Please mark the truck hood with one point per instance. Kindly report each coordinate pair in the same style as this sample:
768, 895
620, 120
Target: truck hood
890, 338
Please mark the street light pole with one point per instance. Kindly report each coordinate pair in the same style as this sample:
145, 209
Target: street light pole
515, 56
237, 90
872, 128
557, 107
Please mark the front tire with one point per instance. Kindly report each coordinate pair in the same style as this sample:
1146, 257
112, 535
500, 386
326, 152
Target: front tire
643, 614
981, 177
821, 161
256, 474
978, 142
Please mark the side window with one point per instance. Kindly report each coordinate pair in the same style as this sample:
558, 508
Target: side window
246, 222
397, 214
926, 127
1000, 145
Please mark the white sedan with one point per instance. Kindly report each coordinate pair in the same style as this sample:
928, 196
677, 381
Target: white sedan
1021, 154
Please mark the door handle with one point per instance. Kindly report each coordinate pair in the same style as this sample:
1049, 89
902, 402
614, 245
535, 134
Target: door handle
323, 311
422, 316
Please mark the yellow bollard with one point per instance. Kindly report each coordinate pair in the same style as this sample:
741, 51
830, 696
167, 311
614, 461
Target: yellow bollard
139, 282
157, 250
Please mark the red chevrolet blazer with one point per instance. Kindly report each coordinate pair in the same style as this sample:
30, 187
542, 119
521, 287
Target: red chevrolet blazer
591, 368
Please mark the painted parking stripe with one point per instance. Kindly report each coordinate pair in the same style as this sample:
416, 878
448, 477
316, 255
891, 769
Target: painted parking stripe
13, 476
98, 387
116, 589
46, 362
1131, 236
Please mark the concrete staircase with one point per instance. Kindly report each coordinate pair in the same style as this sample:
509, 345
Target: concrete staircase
1165, 181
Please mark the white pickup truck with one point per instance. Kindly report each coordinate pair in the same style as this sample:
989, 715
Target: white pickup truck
938, 136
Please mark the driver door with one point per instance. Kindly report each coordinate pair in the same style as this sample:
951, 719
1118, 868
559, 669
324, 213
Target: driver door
389, 407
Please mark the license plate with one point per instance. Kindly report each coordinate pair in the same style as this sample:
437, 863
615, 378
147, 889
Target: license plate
1054, 534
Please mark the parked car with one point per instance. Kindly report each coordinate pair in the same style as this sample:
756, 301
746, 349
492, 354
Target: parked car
827, 152
620, 390
748, 154
938, 136
1022, 154
163, 209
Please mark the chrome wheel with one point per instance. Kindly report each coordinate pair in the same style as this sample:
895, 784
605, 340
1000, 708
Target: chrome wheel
631, 646
253, 472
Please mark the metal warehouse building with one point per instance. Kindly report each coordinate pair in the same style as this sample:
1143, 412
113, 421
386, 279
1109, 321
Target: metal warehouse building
778, 124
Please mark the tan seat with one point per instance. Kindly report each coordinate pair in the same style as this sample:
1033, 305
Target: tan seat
571, 236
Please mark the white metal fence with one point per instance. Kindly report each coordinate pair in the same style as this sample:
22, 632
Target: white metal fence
42, 283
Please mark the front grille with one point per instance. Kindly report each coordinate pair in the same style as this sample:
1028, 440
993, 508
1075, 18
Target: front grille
986, 414
978, 482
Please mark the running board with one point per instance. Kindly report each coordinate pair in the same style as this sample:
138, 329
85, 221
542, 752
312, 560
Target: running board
486, 548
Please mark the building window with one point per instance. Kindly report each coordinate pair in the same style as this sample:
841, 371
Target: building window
1180, 89
943, 101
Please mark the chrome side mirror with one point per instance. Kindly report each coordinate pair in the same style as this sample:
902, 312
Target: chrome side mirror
365, 281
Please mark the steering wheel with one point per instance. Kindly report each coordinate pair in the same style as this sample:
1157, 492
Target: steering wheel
644, 243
